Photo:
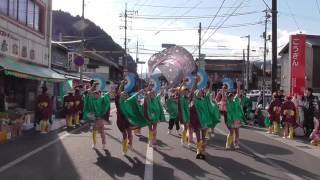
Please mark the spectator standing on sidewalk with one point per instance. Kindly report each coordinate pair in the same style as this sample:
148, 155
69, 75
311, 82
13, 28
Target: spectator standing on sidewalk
275, 113
311, 110
288, 112
44, 110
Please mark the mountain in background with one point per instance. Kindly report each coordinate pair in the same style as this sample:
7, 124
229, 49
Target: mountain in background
68, 26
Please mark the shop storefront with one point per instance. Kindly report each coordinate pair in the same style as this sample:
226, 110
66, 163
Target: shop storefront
20, 84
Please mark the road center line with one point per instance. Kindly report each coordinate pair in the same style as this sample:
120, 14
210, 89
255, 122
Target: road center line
148, 171
37, 150
266, 159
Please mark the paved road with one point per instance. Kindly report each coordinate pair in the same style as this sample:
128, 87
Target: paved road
63, 155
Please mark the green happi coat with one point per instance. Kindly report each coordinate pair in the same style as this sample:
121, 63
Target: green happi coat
100, 106
133, 111
172, 108
235, 111
155, 110
214, 111
201, 106
185, 109
87, 101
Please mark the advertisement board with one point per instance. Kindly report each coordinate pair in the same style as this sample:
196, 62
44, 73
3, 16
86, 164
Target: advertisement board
298, 62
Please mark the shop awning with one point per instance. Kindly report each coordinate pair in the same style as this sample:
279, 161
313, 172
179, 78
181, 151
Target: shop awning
73, 76
29, 71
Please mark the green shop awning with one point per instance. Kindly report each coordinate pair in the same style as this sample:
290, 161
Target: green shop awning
28, 71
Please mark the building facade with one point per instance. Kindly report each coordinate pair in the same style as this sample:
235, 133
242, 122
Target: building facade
300, 64
25, 56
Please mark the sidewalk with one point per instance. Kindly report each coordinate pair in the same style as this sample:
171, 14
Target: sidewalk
301, 143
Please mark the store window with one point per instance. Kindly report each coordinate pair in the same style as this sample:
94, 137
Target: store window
26, 12
30, 14
36, 17
22, 11
4, 7
13, 8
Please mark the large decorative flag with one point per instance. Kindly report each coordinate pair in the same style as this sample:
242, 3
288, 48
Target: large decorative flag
174, 63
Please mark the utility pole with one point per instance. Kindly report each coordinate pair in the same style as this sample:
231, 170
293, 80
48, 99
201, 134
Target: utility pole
244, 65
137, 60
137, 52
82, 42
199, 46
125, 35
274, 45
248, 61
265, 57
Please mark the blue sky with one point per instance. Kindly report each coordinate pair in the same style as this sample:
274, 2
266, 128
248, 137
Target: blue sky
105, 13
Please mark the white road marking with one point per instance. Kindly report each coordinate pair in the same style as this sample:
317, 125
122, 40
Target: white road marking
148, 170
266, 159
37, 150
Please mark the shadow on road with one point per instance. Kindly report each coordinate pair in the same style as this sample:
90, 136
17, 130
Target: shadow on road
299, 171
235, 170
185, 165
117, 168
219, 142
53, 162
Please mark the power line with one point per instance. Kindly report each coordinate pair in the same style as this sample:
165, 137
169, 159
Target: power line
185, 13
186, 7
215, 16
226, 19
194, 28
194, 17
292, 15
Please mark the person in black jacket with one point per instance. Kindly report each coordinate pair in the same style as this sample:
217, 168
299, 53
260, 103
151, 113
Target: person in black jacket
311, 110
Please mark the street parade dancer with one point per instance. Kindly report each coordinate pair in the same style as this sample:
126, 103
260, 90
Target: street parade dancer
288, 112
100, 105
44, 110
274, 111
214, 113
78, 107
153, 111
201, 118
69, 108
184, 110
235, 118
129, 115
172, 108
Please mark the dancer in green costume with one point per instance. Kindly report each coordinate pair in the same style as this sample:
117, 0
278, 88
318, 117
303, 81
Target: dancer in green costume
235, 118
184, 110
200, 118
100, 106
172, 108
153, 111
129, 115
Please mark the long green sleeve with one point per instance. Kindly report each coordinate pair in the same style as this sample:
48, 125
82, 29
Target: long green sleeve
133, 111
185, 109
